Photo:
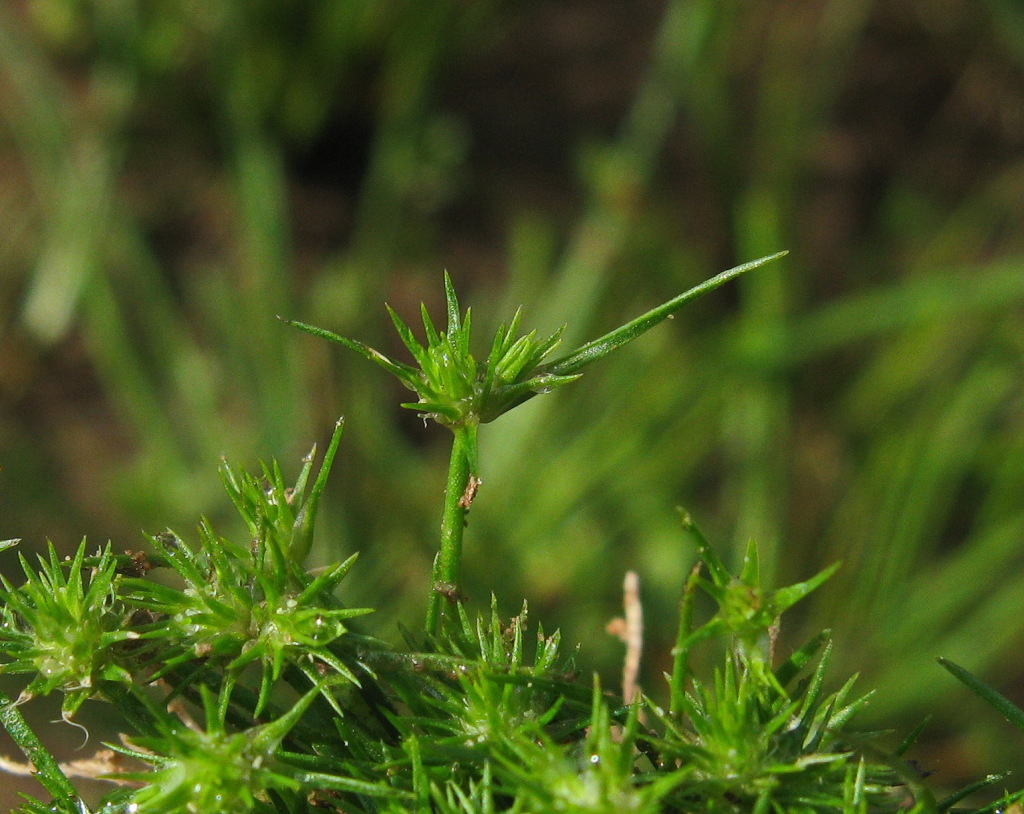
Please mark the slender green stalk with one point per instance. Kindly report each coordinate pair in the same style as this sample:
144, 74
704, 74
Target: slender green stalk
681, 652
458, 495
48, 771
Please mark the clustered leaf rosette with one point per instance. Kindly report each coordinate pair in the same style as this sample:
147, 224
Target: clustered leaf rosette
597, 775
747, 611
456, 390
494, 684
280, 518
453, 388
216, 770
233, 613
65, 625
754, 738
209, 769
254, 604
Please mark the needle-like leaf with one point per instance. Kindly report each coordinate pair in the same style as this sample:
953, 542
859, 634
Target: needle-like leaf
598, 348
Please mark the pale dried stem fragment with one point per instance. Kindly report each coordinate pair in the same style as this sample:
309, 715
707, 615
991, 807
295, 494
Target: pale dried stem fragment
631, 631
98, 767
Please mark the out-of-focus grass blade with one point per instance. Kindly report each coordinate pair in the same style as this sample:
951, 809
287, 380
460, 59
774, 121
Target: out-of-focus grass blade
939, 297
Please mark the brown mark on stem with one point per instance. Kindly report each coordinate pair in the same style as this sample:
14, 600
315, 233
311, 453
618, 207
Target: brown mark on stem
448, 590
471, 486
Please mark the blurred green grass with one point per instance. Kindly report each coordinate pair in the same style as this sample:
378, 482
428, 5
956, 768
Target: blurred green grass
176, 175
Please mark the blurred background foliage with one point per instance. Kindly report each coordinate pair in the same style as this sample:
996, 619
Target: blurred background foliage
175, 174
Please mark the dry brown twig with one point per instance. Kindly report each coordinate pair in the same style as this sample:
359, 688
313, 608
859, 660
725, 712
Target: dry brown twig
631, 631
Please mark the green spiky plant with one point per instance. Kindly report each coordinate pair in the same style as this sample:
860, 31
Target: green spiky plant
244, 685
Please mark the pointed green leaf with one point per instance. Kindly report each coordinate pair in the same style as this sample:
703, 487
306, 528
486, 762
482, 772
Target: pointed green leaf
508, 396
462, 336
812, 695
544, 348
911, 738
490, 367
751, 573
452, 303
299, 490
604, 345
428, 326
513, 328
327, 580
948, 803
419, 353
402, 371
428, 408
302, 531
785, 598
1003, 705
720, 575
514, 359
789, 669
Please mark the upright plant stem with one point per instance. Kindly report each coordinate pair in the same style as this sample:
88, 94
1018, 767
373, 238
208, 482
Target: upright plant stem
681, 652
458, 494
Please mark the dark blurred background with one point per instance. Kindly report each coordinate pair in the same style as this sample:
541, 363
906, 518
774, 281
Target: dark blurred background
174, 175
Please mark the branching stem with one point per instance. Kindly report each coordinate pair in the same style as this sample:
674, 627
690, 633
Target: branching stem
444, 585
